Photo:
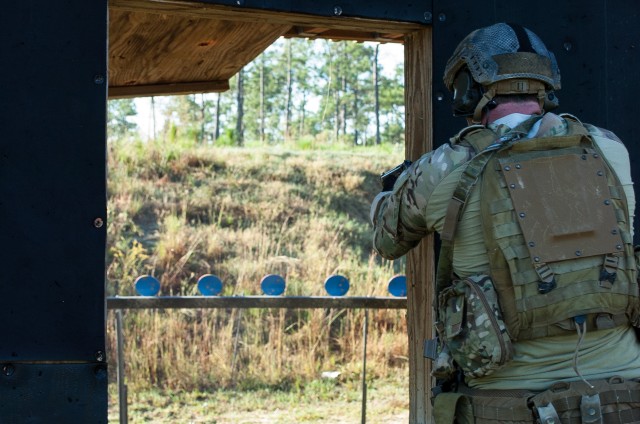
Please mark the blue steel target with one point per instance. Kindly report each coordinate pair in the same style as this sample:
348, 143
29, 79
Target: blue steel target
209, 285
147, 285
272, 285
336, 285
398, 286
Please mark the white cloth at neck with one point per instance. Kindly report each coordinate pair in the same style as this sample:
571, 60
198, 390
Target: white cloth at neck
514, 119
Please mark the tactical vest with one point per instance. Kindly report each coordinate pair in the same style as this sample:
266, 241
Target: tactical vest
557, 232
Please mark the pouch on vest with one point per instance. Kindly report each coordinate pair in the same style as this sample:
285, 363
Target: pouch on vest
471, 326
452, 408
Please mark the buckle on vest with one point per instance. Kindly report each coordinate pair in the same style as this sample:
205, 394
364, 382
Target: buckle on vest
608, 273
547, 414
547, 278
590, 409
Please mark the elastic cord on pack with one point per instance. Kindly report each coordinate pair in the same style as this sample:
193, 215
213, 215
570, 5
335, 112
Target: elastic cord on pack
581, 328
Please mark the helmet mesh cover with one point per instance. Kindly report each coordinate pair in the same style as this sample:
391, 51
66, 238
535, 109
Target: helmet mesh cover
494, 54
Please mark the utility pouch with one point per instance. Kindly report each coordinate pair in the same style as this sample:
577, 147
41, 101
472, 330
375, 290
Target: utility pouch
450, 408
471, 326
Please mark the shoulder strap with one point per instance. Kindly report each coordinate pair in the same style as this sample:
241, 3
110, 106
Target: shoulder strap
485, 142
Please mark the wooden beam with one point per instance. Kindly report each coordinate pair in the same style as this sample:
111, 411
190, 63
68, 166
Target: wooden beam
124, 91
215, 11
420, 262
341, 34
147, 49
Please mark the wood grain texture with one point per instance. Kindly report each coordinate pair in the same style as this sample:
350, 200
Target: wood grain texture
420, 261
177, 47
220, 12
129, 91
154, 49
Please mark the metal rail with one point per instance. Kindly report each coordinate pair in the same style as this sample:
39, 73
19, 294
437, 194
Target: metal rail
244, 302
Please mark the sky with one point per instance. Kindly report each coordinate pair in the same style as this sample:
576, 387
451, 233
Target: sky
390, 55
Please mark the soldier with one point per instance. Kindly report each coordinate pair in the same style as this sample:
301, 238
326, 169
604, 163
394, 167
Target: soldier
536, 289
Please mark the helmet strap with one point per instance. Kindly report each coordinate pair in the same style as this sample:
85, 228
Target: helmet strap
484, 101
542, 95
506, 87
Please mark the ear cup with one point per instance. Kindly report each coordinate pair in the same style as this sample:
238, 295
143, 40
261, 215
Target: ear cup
466, 94
551, 101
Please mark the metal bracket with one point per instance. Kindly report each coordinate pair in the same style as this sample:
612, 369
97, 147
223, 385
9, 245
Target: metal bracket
590, 409
548, 415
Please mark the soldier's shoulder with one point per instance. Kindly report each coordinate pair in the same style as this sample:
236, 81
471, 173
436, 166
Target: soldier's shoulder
472, 137
464, 133
593, 130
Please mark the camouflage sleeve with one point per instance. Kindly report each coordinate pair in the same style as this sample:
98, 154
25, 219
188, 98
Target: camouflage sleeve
398, 216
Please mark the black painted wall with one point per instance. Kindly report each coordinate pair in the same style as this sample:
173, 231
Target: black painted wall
53, 211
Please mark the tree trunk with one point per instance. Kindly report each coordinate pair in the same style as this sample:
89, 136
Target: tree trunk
153, 116
336, 96
217, 122
202, 118
240, 103
303, 108
262, 89
376, 89
343, 108
287, 126
356, 134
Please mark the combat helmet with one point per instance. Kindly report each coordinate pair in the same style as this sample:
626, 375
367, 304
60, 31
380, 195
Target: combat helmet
498, 60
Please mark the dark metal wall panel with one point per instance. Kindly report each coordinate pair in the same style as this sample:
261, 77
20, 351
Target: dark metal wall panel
419, 12
596, 45
52, 195
52, 190
53, 393
52, 179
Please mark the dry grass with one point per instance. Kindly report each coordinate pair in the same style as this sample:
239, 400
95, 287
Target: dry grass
178, 212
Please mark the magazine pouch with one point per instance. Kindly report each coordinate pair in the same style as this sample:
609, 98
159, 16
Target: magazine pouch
471, 326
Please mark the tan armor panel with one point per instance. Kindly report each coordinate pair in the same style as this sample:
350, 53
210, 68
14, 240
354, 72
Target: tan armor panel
585, 225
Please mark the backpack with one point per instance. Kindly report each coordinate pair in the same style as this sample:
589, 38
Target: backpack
557, 233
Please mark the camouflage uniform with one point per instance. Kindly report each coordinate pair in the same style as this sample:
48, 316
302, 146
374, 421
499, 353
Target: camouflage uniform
417, 206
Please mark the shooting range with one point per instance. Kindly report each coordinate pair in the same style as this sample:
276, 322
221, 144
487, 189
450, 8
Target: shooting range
62, 61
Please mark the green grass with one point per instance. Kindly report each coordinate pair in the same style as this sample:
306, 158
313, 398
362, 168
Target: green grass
178, 211
319, 401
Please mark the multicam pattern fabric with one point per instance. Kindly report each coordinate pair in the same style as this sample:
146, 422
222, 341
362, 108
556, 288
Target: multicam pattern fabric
417, 204
471, 326
395, 235
416, 207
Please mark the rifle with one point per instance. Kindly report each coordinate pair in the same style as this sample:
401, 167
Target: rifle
388, 178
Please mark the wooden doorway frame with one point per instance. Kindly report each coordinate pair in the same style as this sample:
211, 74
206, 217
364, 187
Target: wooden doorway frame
418, 53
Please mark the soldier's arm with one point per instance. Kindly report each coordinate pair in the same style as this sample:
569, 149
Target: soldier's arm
398, 216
